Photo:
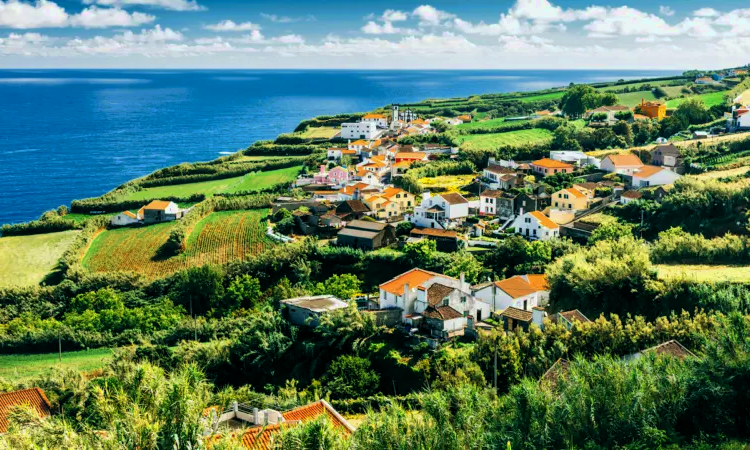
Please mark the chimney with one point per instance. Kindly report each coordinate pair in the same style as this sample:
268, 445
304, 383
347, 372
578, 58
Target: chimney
255, 416
463, 281
537, 316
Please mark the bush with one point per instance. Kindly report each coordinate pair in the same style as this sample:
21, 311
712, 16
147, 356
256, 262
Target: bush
351, 377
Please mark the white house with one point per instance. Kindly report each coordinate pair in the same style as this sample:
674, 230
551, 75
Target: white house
536, 225
337, 153
630, 196
442, 211
520, 291
653, 176
437, 298
496, 203
579, 159
622, 164
378, 119
499, 177
124, 218
359, 130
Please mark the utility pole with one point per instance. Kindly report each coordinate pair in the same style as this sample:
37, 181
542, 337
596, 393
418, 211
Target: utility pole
642, 216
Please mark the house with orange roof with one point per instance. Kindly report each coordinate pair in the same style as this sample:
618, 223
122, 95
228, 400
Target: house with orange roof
520, 291
161, 211
411, 156
536, 226
336, 153
405, 200
124, 218
380, 120
438, 302
369, 178
570, 199
653, 176
398, 169
547, 167
381, 207
33, 398
464, 118
622, 164
265, 425
739, 119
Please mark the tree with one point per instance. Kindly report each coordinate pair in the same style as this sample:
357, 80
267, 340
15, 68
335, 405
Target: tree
613, 230
243, 292
564, 138
404, 228
624, 130
347, 328
344, 286
351, 377
62, 210
420, 253
624, 115
599, 117
693, 111
582, 97
198, 287
516, 255
464, 263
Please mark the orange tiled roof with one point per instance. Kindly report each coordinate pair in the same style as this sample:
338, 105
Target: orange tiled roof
538, 282
158, 205
410, 155
647, 171
130, 214
552, 164
391, 191
575, 192
625, 160
413, 278
34, 397
405, 163
516, 287
544, 220
359, 142
346, 151
373, 116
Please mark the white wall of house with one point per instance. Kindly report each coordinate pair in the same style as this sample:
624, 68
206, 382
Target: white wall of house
487, 205
657, 179
609, 166
122, 219
381, 122
499, 299
528, 226
359, 130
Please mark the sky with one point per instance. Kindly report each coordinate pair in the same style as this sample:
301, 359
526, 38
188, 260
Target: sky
364, 34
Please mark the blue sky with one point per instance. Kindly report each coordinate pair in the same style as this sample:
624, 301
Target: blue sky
477, 34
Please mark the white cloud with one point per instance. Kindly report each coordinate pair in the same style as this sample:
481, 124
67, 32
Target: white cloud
47, 14
174, 5
738, 22
229, 25
430, 16
290, 39
285, 19
42, 14
706, 12
392, 15
386, 28
652, 38
666, 11
94, 17
156, 34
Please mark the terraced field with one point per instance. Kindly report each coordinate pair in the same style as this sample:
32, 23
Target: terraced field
321, 132
219, 238
495, 140
251, 182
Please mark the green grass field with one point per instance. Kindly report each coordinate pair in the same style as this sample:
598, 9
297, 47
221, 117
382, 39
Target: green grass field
712, 99
481, 124
640, 83
246, 158
78, 217
320, 132
495, 140
219, 238
542, 97
253, 181
633, 98
26, 260
704, 272
17, 368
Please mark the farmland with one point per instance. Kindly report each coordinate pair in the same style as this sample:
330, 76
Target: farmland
26, 260
712, 99
543, 97
662, 83
217, 239
703, 273
634, 98
495, 140
486, 124
22, 367
252, 181
320, 132
447, 183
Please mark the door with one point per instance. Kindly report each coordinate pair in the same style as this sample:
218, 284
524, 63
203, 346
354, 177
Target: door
479, 315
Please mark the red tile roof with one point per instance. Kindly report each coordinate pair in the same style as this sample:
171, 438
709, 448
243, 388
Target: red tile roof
413, 278
551, 164
624, 160
648, 171
517, 286
544, 220
33, 397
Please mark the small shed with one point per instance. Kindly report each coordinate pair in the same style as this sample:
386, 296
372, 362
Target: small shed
366, 235
124, 218
161, 211
307, 310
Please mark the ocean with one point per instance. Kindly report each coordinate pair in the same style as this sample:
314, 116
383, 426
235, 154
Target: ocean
70, 134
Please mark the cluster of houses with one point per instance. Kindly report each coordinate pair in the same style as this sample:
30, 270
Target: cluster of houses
402, 122
738, 119
155, 212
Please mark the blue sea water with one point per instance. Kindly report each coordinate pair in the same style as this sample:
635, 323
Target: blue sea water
68, 134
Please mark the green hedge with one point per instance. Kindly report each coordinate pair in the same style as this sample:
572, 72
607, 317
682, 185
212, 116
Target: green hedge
39, 227
222, 172
108, 204
71, 258
271, 149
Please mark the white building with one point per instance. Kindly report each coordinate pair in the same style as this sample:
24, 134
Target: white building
124, 218
622, 164
653, 176
434, 297
442, 211
359, 130
378, 119
579, 159
520, 291
630, 196
536, 225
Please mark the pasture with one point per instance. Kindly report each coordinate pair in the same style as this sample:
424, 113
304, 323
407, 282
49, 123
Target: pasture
711, 99
491, 123
703, 273
23, 367
448, 183
492, 141
26, 260
543, 97
634, 98
219, 238
250, 182
320, 132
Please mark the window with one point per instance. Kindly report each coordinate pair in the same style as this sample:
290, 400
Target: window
463, 299
466, 313
446, 301
534, 231
570, 206
555, 203
566, 196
